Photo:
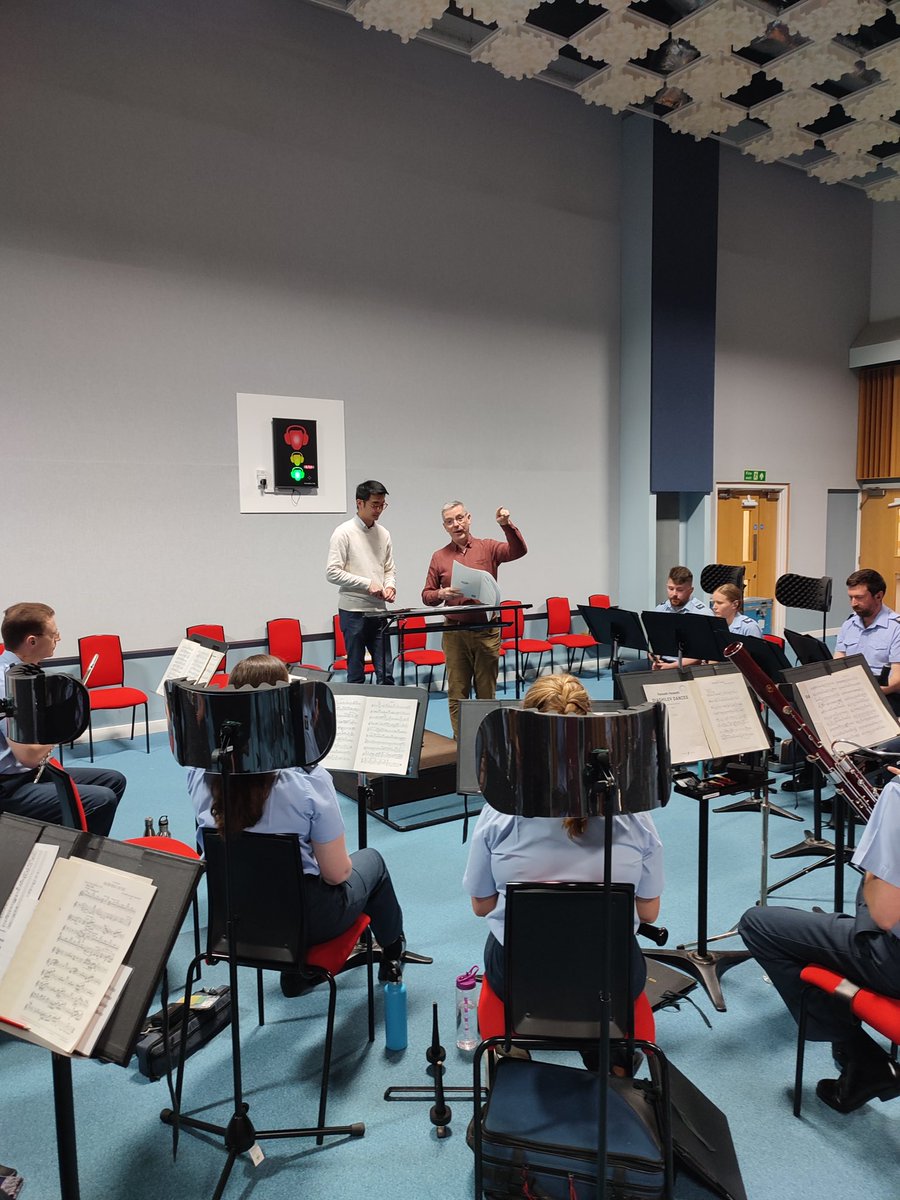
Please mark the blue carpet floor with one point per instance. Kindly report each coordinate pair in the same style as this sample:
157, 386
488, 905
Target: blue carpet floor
742, 1059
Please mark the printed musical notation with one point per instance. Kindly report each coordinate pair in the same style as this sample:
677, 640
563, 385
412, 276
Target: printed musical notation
374, 735
72, 950
713, 716
846, 708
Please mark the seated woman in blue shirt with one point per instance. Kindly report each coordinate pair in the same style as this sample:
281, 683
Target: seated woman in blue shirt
337, 886
726, 602
509, 849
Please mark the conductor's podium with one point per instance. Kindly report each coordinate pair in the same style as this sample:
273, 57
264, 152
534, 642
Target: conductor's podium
437, 777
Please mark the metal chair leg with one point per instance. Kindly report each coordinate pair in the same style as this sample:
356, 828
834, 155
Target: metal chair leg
326, 1064
801, 1050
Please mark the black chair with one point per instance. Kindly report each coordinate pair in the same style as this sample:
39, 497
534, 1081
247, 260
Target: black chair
268, 907
554, 971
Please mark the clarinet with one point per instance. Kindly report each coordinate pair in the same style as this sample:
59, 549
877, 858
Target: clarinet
843, 772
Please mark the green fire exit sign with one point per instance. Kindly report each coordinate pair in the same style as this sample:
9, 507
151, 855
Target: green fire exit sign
754, 477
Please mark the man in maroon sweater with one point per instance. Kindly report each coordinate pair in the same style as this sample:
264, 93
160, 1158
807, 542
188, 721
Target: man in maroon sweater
472, 654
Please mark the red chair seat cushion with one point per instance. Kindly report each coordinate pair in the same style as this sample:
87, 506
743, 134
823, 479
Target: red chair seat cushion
881, 1012
165, 845
423, 658
116, 697
528, 646
340, 664
574, 641
492, 1015
331, 955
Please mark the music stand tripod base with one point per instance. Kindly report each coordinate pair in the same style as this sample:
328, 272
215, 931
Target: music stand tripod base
707, 968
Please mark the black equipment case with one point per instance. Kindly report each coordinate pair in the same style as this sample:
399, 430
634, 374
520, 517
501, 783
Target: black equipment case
210, 1012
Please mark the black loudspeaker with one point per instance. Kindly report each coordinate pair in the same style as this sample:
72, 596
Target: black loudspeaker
715, 574
803, 591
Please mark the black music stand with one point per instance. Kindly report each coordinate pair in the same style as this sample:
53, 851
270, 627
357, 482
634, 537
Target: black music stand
176, 881
807, 648
247, 730
618, 628
535, 764
836, 854
684, 635
703, 964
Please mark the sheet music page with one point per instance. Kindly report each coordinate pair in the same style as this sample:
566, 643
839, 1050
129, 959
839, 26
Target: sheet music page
386, 736
19, 908
846, 706
88, 1040
479, 586
80, 933
348, 712
688, 742
730, 715
190, 661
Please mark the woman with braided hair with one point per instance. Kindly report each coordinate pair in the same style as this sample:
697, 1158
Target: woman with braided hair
508, 849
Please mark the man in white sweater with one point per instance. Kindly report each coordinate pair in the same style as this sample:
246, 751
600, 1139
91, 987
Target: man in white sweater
361, 563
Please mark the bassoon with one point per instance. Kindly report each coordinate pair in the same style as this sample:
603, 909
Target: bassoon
843, 772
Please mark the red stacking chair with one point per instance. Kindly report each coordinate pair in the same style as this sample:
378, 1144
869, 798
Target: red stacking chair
513, 627
170, 845
881, 1012
598, 600
217, 634
415, 651
285, 641
559, 632
340, 651
103, 672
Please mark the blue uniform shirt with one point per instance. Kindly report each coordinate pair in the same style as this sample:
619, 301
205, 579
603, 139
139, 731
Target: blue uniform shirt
508, 849
745, 626
300, 802
878, 643
692, 605
879, 847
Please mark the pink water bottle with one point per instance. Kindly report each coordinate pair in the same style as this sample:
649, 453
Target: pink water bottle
466, 1010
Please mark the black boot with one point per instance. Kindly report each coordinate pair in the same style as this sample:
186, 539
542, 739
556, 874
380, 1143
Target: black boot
868, 1072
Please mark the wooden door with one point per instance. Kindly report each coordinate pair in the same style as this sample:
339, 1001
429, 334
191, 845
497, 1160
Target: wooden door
879, 540
747, 534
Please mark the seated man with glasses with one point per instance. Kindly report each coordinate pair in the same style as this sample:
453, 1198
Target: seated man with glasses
471, 654
30, 635
361, 563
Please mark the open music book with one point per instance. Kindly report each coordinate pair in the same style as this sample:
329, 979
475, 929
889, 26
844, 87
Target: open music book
374, 735
64, 934
847, 707
713, 716
194, 661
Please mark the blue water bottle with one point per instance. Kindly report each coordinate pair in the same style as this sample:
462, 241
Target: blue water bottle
395, 1035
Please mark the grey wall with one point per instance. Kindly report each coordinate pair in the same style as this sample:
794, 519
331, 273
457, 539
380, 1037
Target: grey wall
793, 293
202, 198
206, 198
885, 300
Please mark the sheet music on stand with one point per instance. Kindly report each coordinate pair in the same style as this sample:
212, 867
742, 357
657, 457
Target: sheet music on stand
843, 703
711, 711
379, 729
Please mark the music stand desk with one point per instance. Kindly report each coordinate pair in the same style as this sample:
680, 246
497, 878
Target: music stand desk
685, 635
176, 882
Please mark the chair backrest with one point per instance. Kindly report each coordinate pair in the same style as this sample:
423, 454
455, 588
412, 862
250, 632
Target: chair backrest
109, 669
340, 648
512, 620
553, 939
414, 635
266, 878
599, 600
284, 639
774, 639
215, 632
559, 616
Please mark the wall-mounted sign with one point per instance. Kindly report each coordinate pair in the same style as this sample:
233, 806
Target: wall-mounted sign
754, 477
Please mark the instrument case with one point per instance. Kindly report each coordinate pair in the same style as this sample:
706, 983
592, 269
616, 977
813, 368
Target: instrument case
210, 1012
562, 1117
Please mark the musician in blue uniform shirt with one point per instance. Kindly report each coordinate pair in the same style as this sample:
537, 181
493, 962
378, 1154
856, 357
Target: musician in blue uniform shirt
873, 630
726, 602
865, 947
680, 598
